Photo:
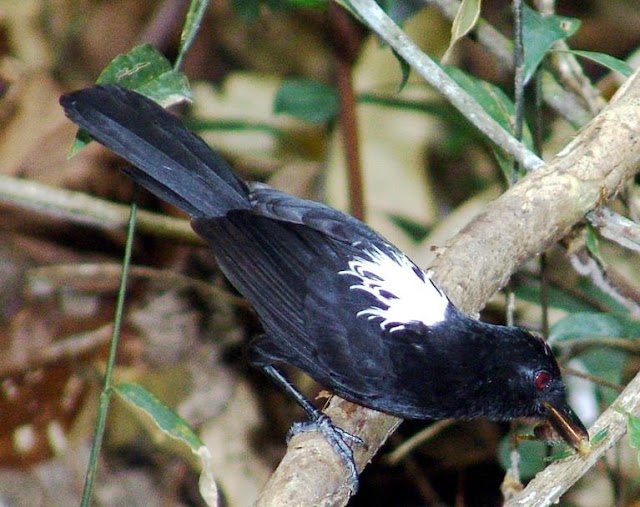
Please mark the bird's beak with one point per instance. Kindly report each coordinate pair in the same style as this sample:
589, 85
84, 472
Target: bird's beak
567, 425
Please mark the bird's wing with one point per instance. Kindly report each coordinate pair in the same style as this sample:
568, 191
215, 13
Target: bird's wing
290, 274
281, 206
331, 293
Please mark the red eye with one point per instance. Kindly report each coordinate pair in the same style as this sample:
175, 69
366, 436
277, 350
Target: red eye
542, 380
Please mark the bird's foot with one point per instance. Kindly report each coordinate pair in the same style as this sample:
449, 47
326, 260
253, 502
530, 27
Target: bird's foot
337, 438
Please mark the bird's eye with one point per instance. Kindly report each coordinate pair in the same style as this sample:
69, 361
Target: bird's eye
542, 380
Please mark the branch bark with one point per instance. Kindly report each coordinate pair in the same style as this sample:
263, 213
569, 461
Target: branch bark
536, 212
80, 208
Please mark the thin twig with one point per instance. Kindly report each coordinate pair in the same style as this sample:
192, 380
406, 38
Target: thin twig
593, 378
81, 208
420, 438
587, 265
345, 49
628, 345
71, 347
47, 279
616, 228
107, 390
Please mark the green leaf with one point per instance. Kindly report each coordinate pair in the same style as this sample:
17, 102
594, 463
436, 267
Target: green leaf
633, 428
492, 99
498, 105
608, 364
80, 141
308, 100
592, 243
205, 125
309, 4
565, 453
249, 10
405, 69
466, 18
608, 61
594, 325
605, 362
417, 231
532, 456
540, 33
599, 437
149, 410
528, 288
145, 70
464, 21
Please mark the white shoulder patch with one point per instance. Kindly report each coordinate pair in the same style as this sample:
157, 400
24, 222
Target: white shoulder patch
405, 292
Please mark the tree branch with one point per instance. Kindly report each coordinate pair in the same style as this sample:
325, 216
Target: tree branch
81, 208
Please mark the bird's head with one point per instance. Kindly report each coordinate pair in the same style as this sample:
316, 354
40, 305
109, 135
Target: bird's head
536, 385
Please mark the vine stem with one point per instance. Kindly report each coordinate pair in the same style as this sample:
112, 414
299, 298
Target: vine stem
105, 395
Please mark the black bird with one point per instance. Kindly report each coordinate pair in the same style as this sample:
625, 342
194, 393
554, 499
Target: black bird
335, 298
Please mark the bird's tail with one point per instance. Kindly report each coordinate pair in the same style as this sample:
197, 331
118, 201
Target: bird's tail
169, 160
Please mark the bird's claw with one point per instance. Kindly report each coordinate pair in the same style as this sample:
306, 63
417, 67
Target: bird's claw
337, 438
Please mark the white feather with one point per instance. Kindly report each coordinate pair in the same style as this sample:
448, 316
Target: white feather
404, 295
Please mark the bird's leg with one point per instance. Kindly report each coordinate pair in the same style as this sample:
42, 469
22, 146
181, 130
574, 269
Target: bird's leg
337, 437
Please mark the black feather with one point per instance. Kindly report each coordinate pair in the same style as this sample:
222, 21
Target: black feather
168, 160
